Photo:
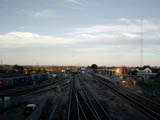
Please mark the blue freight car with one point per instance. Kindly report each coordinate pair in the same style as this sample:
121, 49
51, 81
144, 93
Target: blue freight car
29, 80
9, 82
14, 81
23, 80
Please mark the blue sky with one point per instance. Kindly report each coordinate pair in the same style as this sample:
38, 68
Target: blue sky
79, 32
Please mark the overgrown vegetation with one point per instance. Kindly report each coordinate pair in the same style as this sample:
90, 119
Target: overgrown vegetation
153, 83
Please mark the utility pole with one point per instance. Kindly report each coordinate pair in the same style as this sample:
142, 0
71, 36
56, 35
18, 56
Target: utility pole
37, 64
141, 45
1, 62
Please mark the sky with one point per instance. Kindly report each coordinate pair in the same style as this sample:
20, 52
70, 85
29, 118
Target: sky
79, 32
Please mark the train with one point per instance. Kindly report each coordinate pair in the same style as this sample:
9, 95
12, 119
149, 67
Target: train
21, 80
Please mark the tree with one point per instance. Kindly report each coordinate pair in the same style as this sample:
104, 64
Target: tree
133, 72
102, 67
18, 68
124, 70
94, 67
2, 69
88, 67
38, 69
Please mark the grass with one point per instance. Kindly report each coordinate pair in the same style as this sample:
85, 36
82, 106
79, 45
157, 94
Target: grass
153, 83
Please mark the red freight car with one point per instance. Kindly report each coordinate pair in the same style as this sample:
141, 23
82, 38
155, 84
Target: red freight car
2, 83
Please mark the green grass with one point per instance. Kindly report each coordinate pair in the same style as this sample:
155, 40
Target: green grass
151, 83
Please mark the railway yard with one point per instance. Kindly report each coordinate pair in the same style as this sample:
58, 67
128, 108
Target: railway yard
79, 96
80, 60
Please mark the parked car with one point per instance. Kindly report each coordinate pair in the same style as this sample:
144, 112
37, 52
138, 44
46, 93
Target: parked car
29, 109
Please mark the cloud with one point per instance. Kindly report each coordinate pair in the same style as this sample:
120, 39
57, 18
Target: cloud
75, 2
118, 43
125, 33
25, 39
98, 49
38, 14
132, 26
124, 20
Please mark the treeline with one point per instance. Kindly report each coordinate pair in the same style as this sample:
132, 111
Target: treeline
17, 69
11, 69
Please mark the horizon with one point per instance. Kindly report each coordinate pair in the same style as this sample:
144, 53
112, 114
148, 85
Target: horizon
75, 65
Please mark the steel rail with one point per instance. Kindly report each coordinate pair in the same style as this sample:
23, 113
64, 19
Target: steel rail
88, 99
73, 114
30, 89
149, 112
100, 111
154, 106
86, 108
135, 94
69, 103
63, 85
81, 112
141, 97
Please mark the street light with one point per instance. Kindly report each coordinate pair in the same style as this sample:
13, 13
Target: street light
118, 71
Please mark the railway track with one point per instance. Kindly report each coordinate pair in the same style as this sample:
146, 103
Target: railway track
99, 111
29, 89
5, 90
83, 105
87, 112
73, 110
78, 108
63, 84
143, 104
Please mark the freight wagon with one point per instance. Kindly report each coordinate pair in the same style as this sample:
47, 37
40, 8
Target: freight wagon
22, 80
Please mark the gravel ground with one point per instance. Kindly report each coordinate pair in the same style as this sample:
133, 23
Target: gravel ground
61, 110
140, 90
117, 108
16, 113
58, 103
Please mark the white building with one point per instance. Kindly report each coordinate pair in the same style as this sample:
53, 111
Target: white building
147, 70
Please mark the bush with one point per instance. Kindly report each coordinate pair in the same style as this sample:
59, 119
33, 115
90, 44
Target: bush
2, 69
151, 83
